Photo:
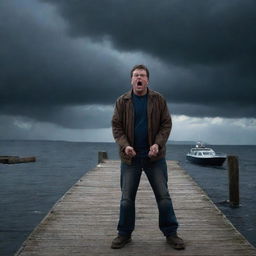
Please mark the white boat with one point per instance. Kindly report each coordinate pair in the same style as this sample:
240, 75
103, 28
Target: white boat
205, 156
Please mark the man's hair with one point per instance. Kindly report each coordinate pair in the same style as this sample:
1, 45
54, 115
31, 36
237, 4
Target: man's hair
140, 66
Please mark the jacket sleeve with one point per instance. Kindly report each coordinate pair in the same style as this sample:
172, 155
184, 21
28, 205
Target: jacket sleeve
165, 126
118, 127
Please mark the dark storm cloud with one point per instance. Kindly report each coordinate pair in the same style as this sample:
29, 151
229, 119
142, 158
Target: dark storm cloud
43, 71
217, 34
39, 64
199, 53
200, 31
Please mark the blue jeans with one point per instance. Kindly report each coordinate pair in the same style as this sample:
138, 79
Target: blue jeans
156, 173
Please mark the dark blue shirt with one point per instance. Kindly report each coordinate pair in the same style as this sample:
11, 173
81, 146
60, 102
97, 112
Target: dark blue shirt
141, 144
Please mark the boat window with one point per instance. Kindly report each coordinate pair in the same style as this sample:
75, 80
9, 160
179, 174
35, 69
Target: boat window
208, 153
199, 153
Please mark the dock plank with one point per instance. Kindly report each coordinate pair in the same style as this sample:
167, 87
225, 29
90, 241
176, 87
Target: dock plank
83, 221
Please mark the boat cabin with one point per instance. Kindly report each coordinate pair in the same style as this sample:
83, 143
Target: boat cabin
202, 152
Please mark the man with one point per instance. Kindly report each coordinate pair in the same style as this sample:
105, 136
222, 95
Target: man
141, 125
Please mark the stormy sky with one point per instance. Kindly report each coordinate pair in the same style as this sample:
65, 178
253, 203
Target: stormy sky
64, 63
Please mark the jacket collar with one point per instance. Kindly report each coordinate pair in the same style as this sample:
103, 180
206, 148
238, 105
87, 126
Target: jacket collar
128, 95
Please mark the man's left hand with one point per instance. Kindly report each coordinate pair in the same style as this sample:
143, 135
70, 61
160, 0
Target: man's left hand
153, 151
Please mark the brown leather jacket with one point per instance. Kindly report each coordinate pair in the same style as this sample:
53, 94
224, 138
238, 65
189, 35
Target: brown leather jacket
159, 123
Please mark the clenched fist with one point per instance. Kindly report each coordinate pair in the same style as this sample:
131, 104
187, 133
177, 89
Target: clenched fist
153, 151
130, 151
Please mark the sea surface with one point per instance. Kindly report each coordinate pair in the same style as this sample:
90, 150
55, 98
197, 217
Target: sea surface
29, 190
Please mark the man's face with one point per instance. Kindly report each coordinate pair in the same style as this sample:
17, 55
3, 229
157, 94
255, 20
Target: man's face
139, 82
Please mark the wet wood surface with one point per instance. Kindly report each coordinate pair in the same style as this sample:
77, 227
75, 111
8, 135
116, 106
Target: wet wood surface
84, 220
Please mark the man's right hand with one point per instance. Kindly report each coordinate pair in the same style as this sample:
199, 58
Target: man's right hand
130, 151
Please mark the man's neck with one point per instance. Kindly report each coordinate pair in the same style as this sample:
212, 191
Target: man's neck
140, 93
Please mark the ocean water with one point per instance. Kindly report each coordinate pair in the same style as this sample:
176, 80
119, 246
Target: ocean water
29, 190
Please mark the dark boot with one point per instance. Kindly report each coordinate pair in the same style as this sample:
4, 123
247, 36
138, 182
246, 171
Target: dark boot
120, 241
176, 242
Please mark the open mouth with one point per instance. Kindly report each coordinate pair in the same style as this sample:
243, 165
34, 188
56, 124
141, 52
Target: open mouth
139, 83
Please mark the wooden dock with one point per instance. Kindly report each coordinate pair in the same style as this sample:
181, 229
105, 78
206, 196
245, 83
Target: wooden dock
83, 221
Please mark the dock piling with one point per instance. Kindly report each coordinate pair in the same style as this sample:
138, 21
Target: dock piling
233, 170
102, 155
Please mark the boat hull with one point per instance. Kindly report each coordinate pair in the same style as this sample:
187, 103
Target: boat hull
216, 161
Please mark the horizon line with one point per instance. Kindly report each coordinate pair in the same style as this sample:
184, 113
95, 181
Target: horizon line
169, 142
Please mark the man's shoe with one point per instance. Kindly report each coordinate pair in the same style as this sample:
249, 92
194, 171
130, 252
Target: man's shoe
120, 241
176, 242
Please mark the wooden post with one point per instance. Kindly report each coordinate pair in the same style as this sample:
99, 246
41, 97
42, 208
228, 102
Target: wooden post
102, 156
233, 170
